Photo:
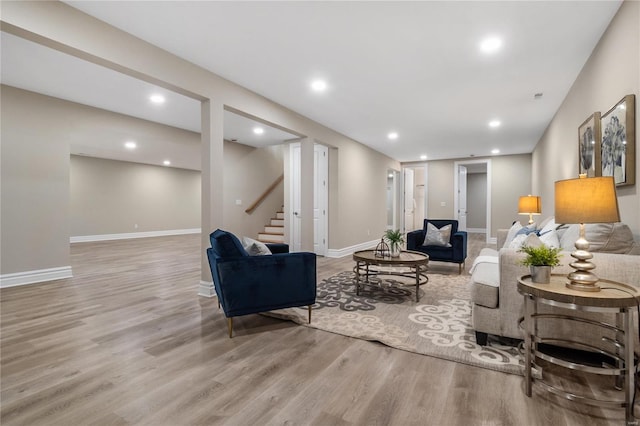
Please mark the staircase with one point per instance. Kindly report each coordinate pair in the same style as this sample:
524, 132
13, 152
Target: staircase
274, 231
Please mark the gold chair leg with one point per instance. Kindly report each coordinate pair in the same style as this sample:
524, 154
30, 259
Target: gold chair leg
230, 326
309, 307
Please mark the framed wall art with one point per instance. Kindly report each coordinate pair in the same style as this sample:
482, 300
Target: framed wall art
589, 146
618, 142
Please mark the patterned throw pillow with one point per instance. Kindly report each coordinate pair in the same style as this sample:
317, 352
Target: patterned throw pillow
255, 248
437, 237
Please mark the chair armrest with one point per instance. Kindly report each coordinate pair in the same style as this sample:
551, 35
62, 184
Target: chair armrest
260, 283
459, 244
415, 239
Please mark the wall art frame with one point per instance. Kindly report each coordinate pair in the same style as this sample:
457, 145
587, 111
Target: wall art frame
618, 142
589, 139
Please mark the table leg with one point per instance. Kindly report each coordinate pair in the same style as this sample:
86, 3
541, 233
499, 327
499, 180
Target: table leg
527, 343
629, 382
357, 278
417, 283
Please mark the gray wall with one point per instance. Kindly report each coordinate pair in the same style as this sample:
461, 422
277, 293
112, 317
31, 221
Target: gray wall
612, 71
34, 204
112, 197
477, 200
248, 172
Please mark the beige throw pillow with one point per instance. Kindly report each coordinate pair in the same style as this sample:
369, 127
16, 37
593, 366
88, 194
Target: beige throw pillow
437, 237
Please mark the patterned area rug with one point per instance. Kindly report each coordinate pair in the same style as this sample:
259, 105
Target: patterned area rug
438, 325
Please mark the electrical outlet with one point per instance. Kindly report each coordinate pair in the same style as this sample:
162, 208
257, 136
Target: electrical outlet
368, 232
135, 226
443, 204
238, 202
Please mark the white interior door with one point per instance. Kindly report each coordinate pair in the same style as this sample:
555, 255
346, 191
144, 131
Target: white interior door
320, 198
409, 201
462, 198
294, 215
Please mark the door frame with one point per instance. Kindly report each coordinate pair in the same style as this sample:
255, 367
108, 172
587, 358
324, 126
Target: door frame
415, 166
456, 187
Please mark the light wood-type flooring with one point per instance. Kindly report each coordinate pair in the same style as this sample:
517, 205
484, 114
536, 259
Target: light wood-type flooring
127, 340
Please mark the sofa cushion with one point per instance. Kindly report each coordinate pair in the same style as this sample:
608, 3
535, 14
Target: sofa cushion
602, 237
437, 237
225, 244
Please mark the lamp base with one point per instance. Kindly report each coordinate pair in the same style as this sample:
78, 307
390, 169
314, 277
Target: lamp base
582, 279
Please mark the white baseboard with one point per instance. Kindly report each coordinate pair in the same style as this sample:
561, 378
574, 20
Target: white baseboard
350, 250
206, 289
128, 235
37, 276
477, 230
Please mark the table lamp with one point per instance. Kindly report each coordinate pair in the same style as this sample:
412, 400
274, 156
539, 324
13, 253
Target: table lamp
585, 200
529, 204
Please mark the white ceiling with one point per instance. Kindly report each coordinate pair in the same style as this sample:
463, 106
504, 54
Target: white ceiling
410, 67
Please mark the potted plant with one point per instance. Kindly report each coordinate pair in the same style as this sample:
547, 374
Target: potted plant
541, 260
395, 238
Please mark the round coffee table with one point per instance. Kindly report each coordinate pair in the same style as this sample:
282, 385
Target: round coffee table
415, 262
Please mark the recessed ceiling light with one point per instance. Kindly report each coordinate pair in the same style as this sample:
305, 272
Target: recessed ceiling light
392, 135
495, 151
258, 130
390, 175
491, 44
494, 123
423, 157
157, 99
130, 145
166, 162
319, 85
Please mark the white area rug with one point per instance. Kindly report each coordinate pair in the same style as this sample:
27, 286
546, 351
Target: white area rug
438, 325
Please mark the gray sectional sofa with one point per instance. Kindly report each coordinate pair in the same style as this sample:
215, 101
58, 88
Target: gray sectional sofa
496, 304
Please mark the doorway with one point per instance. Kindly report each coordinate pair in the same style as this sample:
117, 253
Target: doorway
472, 196
320, 197
414, 197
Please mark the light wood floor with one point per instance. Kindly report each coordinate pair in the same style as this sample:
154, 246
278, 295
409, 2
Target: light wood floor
128, 341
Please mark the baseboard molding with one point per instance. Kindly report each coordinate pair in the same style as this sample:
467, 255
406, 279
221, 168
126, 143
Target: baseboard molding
128, 235
37, 276
206, 289
477, 230
336, 253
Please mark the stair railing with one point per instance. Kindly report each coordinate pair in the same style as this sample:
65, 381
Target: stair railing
264, 195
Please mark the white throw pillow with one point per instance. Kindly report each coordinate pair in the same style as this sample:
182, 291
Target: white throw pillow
550, 239
255, 248
548, 225
437, 237
512, 234
531, 240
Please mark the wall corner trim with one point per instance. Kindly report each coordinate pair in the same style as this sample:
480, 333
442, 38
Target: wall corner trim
336, 253
36, 276
128, 235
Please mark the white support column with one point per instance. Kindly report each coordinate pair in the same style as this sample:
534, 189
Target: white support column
306, 196
212, 188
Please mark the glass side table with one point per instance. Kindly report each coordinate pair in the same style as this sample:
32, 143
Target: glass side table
616, 298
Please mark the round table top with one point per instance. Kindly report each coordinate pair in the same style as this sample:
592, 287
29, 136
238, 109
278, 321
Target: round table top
612, 294
406, 257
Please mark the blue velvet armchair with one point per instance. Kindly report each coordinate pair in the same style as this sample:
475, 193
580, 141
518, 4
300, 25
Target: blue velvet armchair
252, 284
457, 253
